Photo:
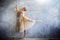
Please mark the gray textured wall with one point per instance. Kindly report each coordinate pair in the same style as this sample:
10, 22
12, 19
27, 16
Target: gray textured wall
46, 11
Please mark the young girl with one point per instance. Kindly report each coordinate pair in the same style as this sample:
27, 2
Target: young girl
24, 22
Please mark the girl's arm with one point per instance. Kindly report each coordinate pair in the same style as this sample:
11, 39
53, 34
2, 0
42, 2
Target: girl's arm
17, 9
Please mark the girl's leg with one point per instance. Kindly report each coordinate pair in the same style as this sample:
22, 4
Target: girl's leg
24, 32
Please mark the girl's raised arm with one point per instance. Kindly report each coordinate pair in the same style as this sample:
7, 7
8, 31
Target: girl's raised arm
17, 9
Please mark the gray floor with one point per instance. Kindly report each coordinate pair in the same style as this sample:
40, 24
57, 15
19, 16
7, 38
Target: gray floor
27, 39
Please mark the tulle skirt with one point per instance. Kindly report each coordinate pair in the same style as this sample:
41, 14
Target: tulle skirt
25, 24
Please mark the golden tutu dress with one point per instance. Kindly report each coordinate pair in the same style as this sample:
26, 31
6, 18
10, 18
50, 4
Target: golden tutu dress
22, 22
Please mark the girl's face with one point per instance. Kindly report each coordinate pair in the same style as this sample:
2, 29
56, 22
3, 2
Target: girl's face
24, 9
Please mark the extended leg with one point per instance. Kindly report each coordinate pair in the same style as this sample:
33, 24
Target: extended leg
38, 21
24, 30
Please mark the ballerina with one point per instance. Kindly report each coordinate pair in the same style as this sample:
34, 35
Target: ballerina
23, 22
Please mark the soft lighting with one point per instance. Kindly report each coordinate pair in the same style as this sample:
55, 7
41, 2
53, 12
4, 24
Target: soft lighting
42, 1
